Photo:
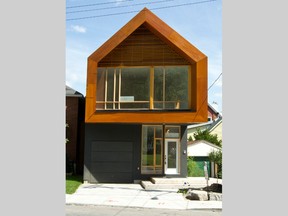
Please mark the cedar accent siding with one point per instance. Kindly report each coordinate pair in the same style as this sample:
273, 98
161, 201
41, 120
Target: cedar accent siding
142, 48
147, 41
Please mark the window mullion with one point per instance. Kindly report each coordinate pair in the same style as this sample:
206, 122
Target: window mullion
119, 92
106, 75
114, 88
154, 149
164, 87
152, 88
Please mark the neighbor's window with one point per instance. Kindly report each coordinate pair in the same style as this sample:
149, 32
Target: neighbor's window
143, 88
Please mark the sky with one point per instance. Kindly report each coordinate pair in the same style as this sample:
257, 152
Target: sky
90, 23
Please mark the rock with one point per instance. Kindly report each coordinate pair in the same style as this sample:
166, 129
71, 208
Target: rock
215, 187
203, 195
197, 195
215, 196
213, 192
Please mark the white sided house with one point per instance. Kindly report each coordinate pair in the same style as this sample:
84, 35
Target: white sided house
199, 150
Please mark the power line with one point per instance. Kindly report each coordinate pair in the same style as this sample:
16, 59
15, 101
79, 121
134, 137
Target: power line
103, 15
128, 12
101, 3
215, 81
207, 94
120, 6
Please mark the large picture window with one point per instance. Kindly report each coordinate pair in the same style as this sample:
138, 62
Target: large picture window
171, 87
144, 88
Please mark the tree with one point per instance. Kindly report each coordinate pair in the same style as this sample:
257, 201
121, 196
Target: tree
206, 135
216, 157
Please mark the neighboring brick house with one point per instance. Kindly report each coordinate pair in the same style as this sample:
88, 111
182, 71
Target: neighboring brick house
144, 86
75, 109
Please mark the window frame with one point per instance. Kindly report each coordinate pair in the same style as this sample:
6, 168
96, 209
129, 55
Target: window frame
153, 168
151, 102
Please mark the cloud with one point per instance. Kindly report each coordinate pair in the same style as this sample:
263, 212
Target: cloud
77, 28
219, 82
118, 2
218, 94
76, 63
215, 64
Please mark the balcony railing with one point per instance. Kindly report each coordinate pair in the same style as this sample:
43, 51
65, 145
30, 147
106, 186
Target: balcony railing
139, 105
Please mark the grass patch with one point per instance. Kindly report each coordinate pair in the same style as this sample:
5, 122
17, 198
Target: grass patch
182, 190
72, 183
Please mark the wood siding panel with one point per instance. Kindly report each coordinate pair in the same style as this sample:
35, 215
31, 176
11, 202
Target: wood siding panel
89, 109
147, 117
118, 37
91, 72
142, 48
91, 89
202, 89
171, 37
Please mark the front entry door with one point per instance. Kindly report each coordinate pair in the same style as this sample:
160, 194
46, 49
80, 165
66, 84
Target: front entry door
171, 156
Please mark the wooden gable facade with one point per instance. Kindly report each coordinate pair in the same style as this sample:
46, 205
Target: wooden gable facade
146, 41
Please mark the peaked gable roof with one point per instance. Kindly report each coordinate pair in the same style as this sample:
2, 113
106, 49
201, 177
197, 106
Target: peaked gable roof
70, 92
197, 142
146, 18
201, 148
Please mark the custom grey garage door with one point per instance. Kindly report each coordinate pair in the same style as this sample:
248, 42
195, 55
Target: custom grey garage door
111, 162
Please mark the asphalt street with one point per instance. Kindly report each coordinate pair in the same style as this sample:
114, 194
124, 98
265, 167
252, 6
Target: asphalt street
94, 210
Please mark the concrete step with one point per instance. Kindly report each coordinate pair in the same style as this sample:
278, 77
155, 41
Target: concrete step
196, 180
190, 180
157, 183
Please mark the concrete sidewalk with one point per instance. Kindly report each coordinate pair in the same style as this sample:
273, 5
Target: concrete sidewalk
133, 195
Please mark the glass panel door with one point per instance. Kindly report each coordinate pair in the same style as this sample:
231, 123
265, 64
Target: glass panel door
171, 156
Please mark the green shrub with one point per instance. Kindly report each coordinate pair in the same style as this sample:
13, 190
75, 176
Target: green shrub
193, 168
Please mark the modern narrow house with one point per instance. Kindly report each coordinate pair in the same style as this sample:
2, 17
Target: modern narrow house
144, 86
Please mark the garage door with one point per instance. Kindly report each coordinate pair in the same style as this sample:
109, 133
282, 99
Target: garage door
111, 162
